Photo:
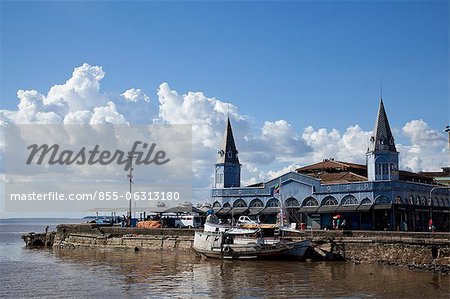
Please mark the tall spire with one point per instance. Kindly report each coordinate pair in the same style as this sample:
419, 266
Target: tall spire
228, 153
382, 139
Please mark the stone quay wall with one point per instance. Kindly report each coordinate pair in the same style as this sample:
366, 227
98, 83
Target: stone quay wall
414, 250
407, 249
39, 239
88, 235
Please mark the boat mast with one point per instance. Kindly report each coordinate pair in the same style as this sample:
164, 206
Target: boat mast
281, 206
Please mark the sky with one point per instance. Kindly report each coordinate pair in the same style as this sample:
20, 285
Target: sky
302, 78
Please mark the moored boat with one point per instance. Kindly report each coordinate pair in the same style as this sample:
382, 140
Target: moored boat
226, 242
223, 242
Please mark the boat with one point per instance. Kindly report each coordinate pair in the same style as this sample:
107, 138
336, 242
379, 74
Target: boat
250, 239
228, 242
298, 248
217, 241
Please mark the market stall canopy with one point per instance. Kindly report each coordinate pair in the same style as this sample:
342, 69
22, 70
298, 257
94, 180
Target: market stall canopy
239, 210
364, 208
383, 207
224, 211
309, 209
255, 211
347, 208
183, 209
270, 210
326, 209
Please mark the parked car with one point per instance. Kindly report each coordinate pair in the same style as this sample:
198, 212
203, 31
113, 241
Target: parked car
189, 221
247, 220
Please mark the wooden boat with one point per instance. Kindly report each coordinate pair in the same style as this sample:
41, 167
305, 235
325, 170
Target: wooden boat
224, 242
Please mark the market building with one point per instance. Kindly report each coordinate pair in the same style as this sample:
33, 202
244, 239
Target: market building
375, 196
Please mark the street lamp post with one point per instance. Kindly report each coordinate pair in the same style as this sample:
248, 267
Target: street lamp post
130, 178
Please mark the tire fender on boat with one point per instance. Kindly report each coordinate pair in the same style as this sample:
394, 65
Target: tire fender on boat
227, 249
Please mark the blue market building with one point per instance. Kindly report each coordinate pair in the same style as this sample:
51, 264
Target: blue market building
373, 196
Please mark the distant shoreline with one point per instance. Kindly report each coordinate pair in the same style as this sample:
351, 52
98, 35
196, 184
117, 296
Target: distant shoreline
38, 218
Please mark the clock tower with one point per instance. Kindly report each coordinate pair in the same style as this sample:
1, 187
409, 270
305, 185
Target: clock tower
227, 170
382, 156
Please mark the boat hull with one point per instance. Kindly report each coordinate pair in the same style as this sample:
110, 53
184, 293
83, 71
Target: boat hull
211, 245
298, 250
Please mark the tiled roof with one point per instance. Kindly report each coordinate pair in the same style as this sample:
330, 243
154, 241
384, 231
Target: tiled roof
436, 174
330, 164
338, 177
414, 177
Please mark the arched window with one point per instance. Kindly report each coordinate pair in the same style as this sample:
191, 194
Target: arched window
411, 200
329, 201
310, 202
398, 200
366, 201
227, 204
273, 202
424, 201
256, 203
216, 204
240, 203
349, 200
381, 200
418, 201
435, 202
292, 202
382, 166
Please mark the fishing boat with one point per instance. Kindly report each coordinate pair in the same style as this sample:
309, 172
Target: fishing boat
249, 240
298, 248
217, 241
228, 242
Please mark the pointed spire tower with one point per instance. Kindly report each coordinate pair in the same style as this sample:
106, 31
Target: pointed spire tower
227, 169
382, 138
382, 156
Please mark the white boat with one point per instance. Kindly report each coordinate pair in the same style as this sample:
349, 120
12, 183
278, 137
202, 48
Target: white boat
218, 241
226, 242
248, 241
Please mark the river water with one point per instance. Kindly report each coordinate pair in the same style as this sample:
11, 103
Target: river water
163, 274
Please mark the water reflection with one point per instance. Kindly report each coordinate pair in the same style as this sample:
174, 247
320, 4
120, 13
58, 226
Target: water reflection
170, 273
162, 274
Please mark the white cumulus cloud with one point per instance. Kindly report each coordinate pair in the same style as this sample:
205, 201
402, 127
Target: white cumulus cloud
107, 114
135, 94
427, 150
264, 152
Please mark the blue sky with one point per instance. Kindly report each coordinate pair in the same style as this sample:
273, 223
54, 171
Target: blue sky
311, 63
303, 77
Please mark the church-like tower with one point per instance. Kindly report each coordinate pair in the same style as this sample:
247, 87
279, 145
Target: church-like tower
227, 169
382, 156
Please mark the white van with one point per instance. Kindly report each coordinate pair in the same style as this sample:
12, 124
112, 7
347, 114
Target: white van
248, 220
189, 221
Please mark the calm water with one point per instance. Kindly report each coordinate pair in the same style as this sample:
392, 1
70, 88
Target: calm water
80, 273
